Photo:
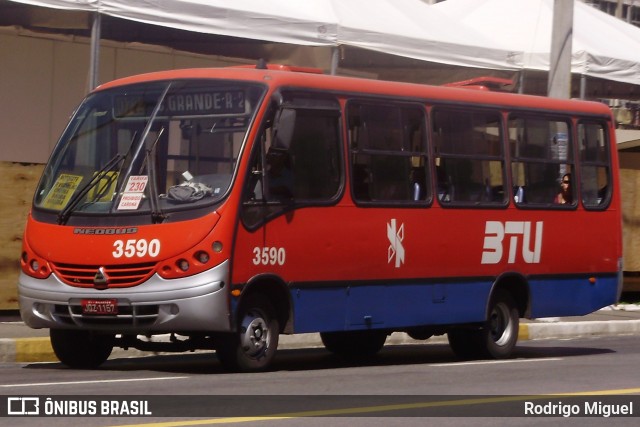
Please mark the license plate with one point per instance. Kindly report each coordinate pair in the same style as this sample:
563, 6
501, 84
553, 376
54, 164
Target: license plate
100, 306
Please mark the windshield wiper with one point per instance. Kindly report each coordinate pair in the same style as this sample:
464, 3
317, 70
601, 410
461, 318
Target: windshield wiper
156, 215
65, 213
154, 201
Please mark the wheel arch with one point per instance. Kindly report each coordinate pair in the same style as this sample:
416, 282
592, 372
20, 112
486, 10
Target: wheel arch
277, 292
518, 287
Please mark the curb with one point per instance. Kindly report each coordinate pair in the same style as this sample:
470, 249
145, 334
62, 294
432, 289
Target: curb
38, 349
535, 331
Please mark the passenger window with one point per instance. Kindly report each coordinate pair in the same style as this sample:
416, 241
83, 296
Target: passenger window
542, 163
388, 152
595, 170
469, 157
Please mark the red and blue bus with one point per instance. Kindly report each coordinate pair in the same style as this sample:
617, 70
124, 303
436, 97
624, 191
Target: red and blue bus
226, 207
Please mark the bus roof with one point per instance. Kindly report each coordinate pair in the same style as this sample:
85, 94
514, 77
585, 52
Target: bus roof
310, 78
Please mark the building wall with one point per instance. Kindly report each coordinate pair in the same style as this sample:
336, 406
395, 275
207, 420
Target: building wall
43, 78
629, 187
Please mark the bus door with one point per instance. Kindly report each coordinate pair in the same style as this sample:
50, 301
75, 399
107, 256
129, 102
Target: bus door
296, 172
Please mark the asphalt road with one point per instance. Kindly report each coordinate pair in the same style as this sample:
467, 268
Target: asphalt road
399, 387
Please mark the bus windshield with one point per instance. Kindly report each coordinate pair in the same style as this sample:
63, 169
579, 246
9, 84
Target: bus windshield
149, 148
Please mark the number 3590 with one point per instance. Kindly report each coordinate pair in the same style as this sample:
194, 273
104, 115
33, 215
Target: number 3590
136, 248
269, 256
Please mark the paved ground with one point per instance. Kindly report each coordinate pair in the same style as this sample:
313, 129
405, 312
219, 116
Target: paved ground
19, 343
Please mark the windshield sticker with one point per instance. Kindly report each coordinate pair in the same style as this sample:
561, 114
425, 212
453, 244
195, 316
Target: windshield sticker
62, 190
105, 188
133, 194
136, 184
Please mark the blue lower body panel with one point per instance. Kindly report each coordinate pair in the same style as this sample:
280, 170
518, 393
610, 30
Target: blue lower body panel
572, 296
397, 306
393, 306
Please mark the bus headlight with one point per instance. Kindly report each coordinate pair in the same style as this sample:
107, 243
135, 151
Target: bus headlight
34, 266
202, 257
183, 264
194, 261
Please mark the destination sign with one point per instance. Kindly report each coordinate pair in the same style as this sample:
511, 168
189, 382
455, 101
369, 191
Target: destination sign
201, 103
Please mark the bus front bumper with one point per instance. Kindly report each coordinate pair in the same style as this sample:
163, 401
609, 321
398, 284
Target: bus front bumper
190, 304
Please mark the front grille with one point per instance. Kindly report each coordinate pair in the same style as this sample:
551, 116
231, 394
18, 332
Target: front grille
120, 276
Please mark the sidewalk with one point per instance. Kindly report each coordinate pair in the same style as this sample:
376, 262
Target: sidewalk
21, 344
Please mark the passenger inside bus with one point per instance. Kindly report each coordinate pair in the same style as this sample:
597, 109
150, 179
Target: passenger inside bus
565, 196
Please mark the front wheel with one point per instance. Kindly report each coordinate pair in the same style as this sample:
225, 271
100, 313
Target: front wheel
253, 346
496, 338
81, 349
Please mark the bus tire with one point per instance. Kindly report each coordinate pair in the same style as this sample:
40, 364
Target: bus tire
253, 347
465, 343
81, 349
496, 338
500, 333
354, 344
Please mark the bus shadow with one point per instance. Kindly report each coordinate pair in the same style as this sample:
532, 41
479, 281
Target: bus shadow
317, 359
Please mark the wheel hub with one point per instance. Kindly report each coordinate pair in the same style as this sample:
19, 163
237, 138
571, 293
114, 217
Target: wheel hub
499, 324
255, 335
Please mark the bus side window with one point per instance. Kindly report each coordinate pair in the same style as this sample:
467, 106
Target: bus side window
279, 174
388, 152
305, 168
469, 162
316, 156
541, 156
594, 165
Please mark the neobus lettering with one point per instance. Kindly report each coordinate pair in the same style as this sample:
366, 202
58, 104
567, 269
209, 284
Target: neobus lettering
495, 232
105, 231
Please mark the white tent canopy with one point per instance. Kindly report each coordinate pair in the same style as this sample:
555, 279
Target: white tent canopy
504, 35
407, 28
603, 46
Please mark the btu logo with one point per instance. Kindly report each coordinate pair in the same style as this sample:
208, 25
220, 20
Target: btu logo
396, 236
520, 235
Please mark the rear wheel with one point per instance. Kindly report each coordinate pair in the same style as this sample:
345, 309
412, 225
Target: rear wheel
81, 349
355, 344
253, 346
496, 338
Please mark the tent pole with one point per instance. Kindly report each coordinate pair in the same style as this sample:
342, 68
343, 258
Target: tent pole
95, 51
559, 85
335, 59
583, 86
